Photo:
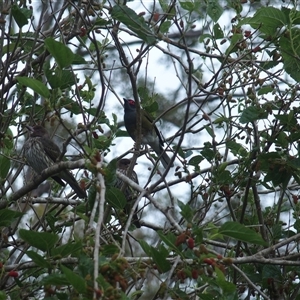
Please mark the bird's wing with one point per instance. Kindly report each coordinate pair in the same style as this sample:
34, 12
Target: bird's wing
51, 149
149, 118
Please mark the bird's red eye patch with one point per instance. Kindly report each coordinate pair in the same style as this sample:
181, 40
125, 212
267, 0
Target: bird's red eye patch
131, 102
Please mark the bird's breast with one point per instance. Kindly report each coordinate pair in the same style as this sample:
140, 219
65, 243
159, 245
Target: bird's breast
36, 156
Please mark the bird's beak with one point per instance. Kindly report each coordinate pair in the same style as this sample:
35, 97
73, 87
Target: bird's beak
30, 128
125, 100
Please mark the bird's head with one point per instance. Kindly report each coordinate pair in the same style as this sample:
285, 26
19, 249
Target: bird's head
37, 131
129, 104
123, 163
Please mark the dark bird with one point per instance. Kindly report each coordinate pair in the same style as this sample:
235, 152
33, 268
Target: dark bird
149, 131
129, 193
41, 153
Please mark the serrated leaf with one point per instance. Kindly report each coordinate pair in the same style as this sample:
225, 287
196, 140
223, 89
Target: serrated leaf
44, 241
145, 247
75, 280
186, 211
159, 257
38, 259
115, 198
134, 22
268, 20
109, 250
55, 279
253, 113
61, 53
7, 216
290, 51
169, 239
236, 148
65, 250
242, 233
35, 85
214, 10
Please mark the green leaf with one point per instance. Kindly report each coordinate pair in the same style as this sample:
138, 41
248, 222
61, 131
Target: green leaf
265, 90
297, 225
145, 247
226, 286
61, 53
207, 152
75, 280
71, 106
236, 148
21, 15
159, 257
5, 166
7, 216
55, 279
271, 271
78, 60
187, 5
164, 5
186, 211
267, 19
165, 26
234, 41
115, 198
35, 85
196, 160
38, 259
109, 250
241, 233
290, 50
214, 10
218, 32
169, 239
65, 250
44, 241
209, 131
134, 22
253, 113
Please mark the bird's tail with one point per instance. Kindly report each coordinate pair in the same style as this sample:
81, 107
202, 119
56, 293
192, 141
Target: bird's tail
165, 159
68, 177
163, 156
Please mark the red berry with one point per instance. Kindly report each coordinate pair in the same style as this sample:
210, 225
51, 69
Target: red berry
95, 135
82, 31
256, 49
208, 261
191, 243
195, 274
13, 274
247, 33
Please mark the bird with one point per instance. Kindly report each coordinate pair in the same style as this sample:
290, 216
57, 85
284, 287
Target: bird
129, 193
41, 153
149, 131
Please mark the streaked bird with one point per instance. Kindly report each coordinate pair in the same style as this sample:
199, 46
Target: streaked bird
129, 193
41, 153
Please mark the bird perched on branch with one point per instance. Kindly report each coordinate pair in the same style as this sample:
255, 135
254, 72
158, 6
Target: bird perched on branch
149, 132
129, 193
41, 153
